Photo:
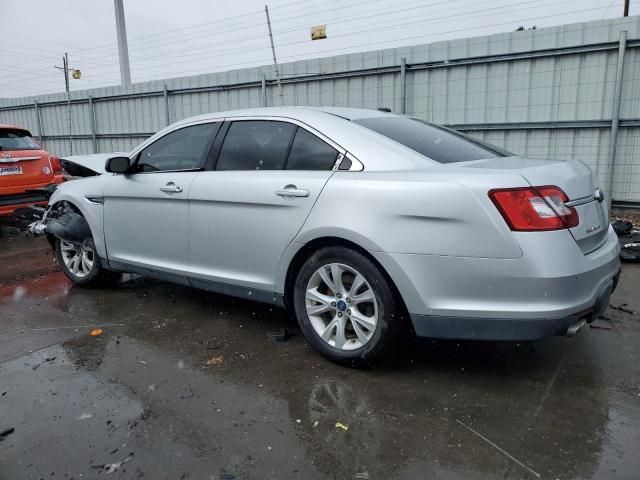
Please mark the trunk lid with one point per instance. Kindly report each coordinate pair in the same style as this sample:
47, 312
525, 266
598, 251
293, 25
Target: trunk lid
576, 180
24, 168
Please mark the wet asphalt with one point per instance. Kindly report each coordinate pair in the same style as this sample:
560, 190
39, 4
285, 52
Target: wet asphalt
186, 384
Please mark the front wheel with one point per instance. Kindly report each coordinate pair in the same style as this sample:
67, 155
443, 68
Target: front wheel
81, 264
346, 307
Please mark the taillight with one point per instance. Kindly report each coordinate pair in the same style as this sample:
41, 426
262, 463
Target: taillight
55, 164
534, 208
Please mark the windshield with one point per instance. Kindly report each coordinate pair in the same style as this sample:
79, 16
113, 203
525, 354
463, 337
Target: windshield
437, 143
14, 139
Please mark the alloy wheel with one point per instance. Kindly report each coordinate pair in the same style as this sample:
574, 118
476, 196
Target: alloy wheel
79, 260
341, 305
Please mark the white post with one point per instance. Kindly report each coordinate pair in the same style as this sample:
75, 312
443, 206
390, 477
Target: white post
123, 49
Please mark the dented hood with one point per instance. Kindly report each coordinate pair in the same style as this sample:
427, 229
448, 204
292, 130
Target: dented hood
87, 165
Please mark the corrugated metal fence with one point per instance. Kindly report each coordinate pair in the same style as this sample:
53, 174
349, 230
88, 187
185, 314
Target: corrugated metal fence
546, 93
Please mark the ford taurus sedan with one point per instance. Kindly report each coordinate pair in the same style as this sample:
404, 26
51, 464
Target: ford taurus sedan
364, 224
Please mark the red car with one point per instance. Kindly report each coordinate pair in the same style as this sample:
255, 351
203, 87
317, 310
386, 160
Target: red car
26, 171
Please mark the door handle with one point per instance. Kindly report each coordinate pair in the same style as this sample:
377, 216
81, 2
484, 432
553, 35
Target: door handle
171, 188
291, 191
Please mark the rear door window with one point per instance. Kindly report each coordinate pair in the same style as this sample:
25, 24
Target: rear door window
309, 152
437, 143
256, 145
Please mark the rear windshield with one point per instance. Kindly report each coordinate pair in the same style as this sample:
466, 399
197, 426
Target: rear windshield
437, 143
13, 139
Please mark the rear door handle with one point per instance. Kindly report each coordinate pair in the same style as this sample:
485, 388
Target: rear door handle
171, 188
291, 191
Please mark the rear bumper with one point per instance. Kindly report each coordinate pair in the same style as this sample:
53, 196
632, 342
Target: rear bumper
509, 329
552, 286
24, 197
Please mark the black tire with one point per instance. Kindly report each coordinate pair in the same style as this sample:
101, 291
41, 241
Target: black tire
388, 327
97, 276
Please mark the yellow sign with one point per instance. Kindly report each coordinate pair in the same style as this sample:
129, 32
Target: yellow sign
76, 74
318, 32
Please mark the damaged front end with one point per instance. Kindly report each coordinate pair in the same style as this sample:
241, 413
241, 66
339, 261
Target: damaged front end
62, 221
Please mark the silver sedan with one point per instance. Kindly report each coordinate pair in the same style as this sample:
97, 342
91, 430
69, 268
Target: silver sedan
367, 225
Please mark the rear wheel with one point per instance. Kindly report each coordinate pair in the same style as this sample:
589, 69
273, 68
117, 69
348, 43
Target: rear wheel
81, 264
346, 307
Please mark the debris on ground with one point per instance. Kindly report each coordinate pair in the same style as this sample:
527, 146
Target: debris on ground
96, 332
188, 393
342, 426
36, 366
622, 308
598, 326
6, 432
316, 423
112, 467
50, 359
85, 416
630, 252
143, 362
629, 238
622, 227
281, 335
215, 360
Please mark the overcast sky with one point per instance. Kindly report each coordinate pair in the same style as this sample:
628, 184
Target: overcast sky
170, 38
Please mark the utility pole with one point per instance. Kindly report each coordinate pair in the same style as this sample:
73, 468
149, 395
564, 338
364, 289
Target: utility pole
273, 51
123, 49
626, 8
65, 71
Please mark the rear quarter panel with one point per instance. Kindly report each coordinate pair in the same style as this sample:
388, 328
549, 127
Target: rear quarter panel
414, 212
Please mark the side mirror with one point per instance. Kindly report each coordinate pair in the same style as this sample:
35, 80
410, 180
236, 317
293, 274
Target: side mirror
117, 165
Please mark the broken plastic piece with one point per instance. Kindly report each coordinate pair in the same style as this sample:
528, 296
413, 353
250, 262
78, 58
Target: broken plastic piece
70, 226
630, 252
622, 227
342, 426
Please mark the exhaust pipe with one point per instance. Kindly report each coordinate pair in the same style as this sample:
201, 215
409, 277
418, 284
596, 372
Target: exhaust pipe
573, 329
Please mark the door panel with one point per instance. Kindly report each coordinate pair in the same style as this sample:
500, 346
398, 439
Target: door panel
146, 211
145, 219
242, 221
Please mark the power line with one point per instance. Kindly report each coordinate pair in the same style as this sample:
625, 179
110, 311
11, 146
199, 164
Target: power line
340, 19
351, 33
190, 27
387, 41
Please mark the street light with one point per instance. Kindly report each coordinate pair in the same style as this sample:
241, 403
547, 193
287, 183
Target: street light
76, 74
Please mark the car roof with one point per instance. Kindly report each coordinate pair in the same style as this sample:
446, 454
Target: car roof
15, 127
300, 113
334, 123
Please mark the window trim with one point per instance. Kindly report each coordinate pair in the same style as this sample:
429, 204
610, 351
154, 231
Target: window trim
212, 162
336, 162
135, 154
230, 124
